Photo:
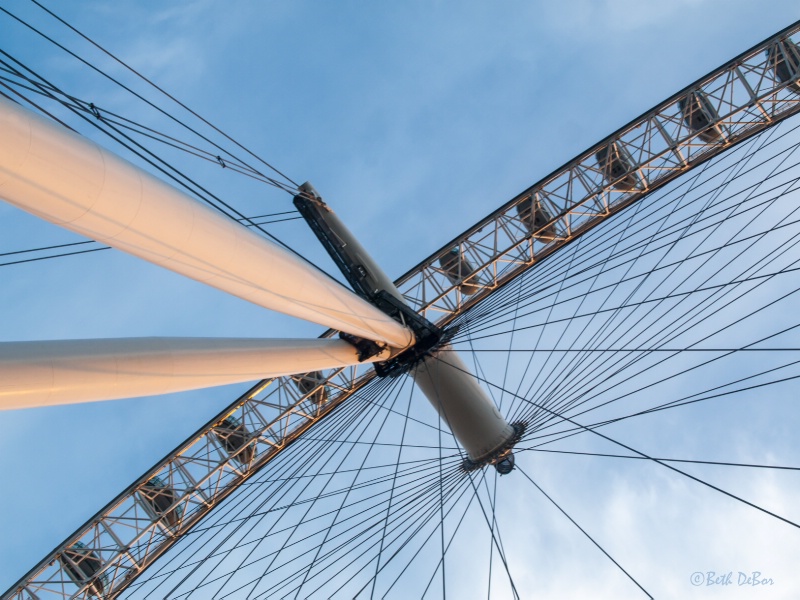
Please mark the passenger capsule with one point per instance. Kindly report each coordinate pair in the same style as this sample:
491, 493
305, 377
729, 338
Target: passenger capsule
309, 383
784, 60
82, 565
233, 435
536, 217
618, 169
159, 497
700, 116
457, 269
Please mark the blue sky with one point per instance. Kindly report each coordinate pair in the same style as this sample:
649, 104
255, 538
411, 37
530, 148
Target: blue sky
413, 120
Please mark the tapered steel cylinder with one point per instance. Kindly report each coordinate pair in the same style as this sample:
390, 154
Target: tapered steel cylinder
463, 404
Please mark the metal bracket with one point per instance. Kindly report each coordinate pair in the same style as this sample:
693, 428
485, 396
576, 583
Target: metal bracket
354, 272
367, 283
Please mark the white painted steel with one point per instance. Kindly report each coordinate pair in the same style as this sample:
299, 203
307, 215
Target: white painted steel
69, 371
462, 403
68, 180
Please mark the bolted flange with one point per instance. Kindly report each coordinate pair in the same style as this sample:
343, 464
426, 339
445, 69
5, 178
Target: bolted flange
503, 457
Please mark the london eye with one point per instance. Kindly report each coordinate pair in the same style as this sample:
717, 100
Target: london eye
582, 387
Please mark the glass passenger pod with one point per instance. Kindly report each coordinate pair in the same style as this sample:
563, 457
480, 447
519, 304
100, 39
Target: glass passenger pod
82, 565
784, 60
234, 436
458, 269
159, 498
618, 168
700, 116
536, 218
311, 382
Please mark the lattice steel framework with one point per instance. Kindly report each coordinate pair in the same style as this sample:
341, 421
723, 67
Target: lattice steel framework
750, 93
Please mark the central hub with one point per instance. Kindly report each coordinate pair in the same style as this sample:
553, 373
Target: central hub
438, 371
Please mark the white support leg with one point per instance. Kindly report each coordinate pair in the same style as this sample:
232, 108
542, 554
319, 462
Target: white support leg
68, 180
70, 371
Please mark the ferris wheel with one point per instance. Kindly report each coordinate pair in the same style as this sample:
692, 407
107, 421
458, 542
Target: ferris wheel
400, 453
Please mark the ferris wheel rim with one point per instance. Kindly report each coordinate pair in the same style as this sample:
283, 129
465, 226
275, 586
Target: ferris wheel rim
604, 141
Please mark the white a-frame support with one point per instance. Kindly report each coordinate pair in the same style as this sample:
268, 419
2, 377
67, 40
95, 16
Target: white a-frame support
68, 180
